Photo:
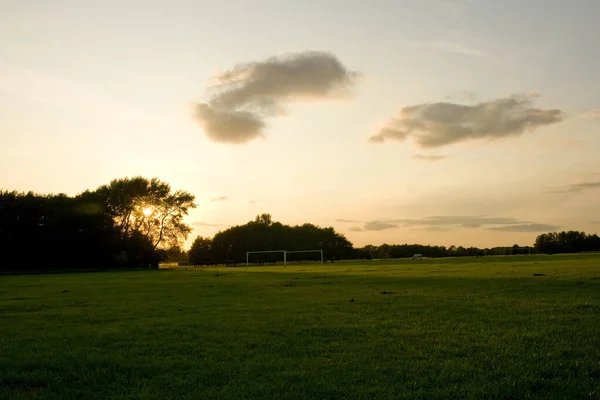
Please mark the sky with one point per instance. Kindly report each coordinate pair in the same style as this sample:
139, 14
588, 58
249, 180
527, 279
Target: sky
447, 122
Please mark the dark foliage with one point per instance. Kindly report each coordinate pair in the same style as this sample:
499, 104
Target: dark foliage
51, 232
395, 251
567, 242
264, 234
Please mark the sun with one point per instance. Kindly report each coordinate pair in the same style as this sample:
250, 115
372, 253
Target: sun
147, 211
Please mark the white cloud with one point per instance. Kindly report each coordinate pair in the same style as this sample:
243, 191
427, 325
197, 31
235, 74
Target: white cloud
441, 124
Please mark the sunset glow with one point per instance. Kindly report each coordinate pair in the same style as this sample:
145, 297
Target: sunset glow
408, 121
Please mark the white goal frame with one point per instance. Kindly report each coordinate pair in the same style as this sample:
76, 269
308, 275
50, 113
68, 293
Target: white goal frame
266, 251
285, 253
305, 251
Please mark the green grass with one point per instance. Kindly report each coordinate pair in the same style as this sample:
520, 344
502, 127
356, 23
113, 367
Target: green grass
466, 328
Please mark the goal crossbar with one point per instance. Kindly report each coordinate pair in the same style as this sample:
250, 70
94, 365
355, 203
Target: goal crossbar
306, 251
266, 251
285, 253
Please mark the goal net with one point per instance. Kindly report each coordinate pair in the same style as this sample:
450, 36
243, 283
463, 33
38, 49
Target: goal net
265, 257
273, 256
304, 255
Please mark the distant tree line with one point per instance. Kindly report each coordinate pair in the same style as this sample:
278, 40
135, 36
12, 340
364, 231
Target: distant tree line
130, 222
138, 222
264, 234
546, 243
395, 251
567, 242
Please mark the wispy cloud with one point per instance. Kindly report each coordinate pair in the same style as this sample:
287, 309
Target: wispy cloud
349, 221
577, 187
246, 95
446, 222
441, 124
356, 229
595, 222
378, 226
200, 224
525, 228
431, 157
590, 114
459, 220
222, 198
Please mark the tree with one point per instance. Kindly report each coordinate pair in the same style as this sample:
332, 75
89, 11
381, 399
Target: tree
264, 234
263, 219
147, 206
200, 250
515, 249
566, 242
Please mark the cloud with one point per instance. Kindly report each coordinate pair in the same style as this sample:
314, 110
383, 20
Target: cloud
590, 114
229, 126
440, 220
440, 124
389, 132
470, 221
525, 228
222, 198
595, 222
447, 222
353, 221
378, 226
578, 187
243, 97
200, 224
429, 157
356, 229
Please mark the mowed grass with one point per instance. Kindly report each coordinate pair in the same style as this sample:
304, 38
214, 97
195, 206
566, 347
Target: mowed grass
450, 328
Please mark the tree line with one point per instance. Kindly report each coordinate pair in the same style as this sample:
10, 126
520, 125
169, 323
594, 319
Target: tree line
139, 222
546, 243
567, 242
264, 234
129, 222
387, 251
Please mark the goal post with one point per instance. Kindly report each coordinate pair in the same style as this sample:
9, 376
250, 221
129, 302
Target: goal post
307, 251
285, 253
265, 251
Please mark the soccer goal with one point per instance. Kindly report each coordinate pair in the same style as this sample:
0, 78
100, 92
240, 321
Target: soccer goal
262, 261
284, 252
320, 253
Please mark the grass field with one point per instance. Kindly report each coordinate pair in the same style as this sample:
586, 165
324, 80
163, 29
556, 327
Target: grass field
451, 328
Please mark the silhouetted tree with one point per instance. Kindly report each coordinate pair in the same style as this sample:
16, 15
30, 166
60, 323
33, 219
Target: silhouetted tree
200, 250
264, 234
566, 242
147, 206
102, 228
